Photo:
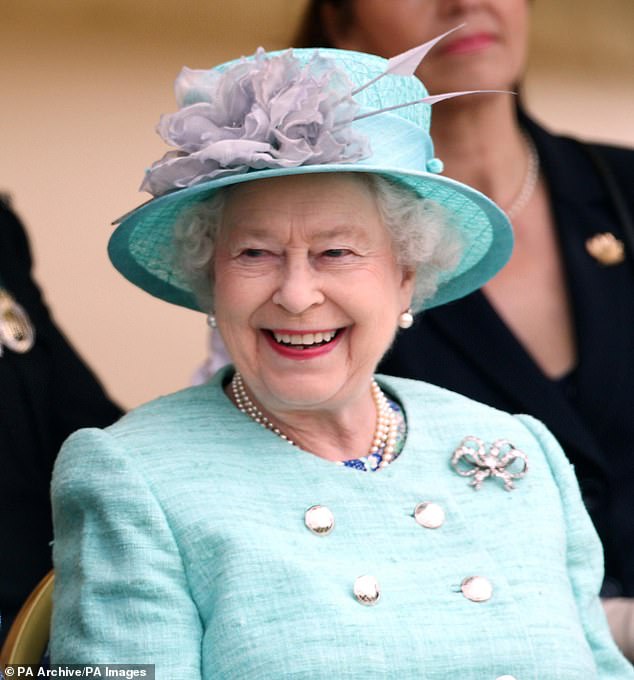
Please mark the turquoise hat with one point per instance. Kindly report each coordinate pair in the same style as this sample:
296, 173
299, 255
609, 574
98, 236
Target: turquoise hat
294, 112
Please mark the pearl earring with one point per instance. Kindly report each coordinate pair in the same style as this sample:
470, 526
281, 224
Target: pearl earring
211, 321
406, 319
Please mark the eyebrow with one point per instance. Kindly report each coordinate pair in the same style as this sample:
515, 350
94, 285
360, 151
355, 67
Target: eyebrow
338, 231
247, 231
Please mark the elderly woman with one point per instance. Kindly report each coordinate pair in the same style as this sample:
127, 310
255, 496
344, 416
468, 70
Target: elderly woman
242, 528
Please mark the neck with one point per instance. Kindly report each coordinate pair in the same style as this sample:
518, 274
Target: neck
337, 434
481, 144
334, 435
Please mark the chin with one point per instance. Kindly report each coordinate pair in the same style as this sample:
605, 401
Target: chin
300, 391
473, 74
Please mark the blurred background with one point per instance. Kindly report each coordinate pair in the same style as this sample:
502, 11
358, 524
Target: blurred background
83, 83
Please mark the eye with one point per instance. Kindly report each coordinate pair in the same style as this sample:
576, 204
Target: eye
257, 258
253, 253
336, 252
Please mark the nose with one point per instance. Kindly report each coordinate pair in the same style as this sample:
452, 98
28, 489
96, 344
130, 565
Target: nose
456, 7
299, 287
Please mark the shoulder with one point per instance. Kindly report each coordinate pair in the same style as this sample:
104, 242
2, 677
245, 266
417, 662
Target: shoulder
163, 418
170, 428
543, 135
179, 410
620, 161
621, 156
121, 462
13, 239
417, 396
438, 415
572, 155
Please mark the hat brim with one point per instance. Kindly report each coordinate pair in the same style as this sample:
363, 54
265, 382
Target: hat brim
141, 248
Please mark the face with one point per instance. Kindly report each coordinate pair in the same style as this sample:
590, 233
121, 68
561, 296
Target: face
307, 290
488, 53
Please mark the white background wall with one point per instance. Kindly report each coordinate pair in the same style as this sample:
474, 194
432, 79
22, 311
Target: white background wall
82, 85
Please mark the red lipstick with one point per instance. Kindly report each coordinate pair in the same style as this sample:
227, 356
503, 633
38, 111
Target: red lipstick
293, 352
469, 43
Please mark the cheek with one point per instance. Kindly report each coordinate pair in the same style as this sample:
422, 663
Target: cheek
234, 290
379, 295
516, 18
388, 28
233, 303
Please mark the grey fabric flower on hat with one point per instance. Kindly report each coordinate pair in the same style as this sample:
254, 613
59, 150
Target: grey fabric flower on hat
269, 112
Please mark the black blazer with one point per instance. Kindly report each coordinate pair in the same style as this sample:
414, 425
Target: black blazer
45, 395
466, 347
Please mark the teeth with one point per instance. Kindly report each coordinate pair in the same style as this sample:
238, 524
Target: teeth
304, 338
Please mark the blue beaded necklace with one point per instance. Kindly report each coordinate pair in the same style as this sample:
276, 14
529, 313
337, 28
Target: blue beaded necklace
377, 460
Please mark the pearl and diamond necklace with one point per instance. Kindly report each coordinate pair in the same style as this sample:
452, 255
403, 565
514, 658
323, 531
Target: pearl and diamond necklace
385, 434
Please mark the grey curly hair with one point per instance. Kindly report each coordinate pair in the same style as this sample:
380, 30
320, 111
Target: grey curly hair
423, 238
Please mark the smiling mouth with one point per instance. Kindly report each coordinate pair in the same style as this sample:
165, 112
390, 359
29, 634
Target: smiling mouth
301, 341
469, 43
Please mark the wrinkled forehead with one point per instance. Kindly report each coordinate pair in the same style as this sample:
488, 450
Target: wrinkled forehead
320, 205
287, 189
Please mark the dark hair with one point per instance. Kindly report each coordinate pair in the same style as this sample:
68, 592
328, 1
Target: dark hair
312, 31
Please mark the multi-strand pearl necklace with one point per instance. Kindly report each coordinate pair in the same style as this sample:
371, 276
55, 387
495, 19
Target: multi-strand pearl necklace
385, 434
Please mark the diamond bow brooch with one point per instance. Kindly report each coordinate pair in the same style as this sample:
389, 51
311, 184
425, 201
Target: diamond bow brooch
502, 460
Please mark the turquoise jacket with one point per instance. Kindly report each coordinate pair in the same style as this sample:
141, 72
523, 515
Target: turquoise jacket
180, 541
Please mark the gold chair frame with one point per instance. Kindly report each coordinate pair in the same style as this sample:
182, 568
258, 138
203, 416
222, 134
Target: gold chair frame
28, 636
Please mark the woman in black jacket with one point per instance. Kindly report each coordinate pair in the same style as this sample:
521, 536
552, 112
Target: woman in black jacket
46, 392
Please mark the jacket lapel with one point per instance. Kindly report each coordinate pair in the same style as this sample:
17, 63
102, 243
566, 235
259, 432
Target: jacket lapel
603, 307
507, 365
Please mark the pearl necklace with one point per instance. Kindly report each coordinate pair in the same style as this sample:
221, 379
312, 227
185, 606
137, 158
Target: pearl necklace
529, 183
385, 433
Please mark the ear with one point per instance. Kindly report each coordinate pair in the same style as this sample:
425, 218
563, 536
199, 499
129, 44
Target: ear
408, 280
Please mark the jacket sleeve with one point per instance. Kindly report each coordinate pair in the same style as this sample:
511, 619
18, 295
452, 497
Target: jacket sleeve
121, 593
584, 558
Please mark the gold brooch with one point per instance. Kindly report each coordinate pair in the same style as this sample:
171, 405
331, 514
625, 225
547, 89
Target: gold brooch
606, 249
16, 330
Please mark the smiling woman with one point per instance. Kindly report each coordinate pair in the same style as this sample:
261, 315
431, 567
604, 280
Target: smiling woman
304, 255
241, 529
